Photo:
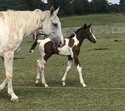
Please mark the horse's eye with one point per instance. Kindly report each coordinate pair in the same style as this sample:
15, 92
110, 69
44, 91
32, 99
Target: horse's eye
55, 24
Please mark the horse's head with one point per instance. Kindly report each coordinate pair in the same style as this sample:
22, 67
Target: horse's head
88, 33
52, 25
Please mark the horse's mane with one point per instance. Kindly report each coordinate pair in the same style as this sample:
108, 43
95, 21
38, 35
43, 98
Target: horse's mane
10, 10
72, 35
79, 29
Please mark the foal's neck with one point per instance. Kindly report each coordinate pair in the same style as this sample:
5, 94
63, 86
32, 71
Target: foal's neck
80, 36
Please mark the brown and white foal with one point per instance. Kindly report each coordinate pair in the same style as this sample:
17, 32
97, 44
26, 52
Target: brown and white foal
71, 49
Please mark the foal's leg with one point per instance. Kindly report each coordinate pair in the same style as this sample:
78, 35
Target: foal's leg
43, 79
43, 62
8, 64
79, 68
69, 65
38, 71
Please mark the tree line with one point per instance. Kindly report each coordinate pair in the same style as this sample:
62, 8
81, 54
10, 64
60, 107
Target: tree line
67, 7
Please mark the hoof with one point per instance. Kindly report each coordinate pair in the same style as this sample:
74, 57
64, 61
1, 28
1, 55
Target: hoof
46, 86
84, 86
15, 100
37, 82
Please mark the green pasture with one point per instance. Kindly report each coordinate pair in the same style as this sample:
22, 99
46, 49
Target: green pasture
95, 19
103, 67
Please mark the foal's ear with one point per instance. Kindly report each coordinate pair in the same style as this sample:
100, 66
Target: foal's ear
57, 10
85, 26
51, 11
90, 25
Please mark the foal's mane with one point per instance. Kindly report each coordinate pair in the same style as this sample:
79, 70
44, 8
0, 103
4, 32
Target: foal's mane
72, 35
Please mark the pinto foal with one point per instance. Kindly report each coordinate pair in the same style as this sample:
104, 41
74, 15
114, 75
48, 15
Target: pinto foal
71, 49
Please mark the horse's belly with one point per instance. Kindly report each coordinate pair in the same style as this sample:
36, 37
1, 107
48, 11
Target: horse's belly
64, 51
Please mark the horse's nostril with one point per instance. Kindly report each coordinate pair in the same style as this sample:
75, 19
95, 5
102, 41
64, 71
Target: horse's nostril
94, 41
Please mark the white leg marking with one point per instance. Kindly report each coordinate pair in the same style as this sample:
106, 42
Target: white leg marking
38, 75
69, 65
40, 72
80, 76
39, 69
43, 79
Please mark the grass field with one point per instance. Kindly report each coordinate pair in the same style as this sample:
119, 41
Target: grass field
103, 66
96, 19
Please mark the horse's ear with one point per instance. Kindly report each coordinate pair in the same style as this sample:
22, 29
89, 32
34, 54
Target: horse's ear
90, 25
85, 26
51, 11
57, 10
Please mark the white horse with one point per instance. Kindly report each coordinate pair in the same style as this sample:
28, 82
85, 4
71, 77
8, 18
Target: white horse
17, 25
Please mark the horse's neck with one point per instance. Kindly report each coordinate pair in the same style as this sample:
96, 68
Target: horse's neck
28, 21
80, 37
32, 25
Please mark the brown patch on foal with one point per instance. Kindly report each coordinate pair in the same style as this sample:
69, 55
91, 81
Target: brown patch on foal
71, 42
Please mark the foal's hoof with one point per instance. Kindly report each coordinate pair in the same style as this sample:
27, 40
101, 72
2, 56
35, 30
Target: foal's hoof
46, 85
64, 84
37, 82
15, 100
84, 86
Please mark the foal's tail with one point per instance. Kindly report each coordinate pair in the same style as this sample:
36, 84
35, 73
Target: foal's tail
34, 46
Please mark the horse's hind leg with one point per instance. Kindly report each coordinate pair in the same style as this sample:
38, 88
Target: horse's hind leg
40, 72
79, 68
43, 79
69, 65
38, 76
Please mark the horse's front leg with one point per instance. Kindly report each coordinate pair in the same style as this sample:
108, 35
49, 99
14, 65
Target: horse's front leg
79, 68
2, 86
8, 64
69, 65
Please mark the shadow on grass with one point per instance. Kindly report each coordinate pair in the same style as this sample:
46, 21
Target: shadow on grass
16, 58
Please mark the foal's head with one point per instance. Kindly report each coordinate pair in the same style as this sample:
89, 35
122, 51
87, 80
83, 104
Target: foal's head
86, 32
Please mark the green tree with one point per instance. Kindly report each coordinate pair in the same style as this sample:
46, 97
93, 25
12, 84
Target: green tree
122, 6
66, 7
99, 6
81, 7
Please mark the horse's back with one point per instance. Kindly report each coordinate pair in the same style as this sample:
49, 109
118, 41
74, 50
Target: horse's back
15, 25
42, 43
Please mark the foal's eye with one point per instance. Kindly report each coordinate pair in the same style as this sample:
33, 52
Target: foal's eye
87, 32
55, 24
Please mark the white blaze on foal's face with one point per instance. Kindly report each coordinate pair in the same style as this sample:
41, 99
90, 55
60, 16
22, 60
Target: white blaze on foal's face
92, 34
